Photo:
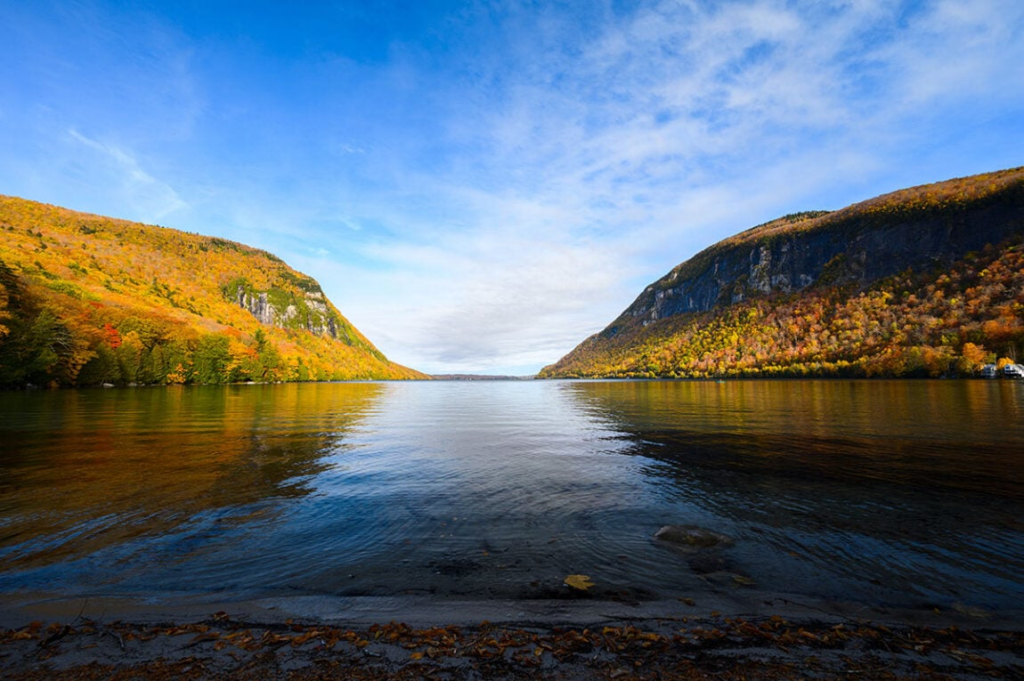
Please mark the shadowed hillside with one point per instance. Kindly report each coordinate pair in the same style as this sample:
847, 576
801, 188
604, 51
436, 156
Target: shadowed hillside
925, 281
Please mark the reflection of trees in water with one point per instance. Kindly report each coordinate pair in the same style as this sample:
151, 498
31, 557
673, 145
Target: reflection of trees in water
894, 482
85, 470
921, 434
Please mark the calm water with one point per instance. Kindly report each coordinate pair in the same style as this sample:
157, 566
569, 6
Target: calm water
887, 493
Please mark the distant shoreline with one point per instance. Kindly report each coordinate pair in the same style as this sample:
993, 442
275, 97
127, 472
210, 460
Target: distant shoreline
553, 379
479, 377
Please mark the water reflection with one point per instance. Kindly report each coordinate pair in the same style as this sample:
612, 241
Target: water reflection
909, 491
960, 436
882, 492
86, 471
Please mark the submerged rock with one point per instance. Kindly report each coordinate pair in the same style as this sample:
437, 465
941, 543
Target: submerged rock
692, 537
705, 562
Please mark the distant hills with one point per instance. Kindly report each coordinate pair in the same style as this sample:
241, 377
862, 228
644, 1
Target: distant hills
91, 300
478, 377
927, 281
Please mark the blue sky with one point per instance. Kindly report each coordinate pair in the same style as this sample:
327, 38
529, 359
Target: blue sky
479, 186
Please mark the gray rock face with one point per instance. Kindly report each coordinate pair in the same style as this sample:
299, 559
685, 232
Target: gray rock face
843, 248
692, 537
318, 320
258, 305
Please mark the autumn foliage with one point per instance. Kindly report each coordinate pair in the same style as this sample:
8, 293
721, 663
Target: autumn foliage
680, 648
86, 300
944, 320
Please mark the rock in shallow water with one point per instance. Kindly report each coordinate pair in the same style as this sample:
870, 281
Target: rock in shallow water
692, 537
706, 562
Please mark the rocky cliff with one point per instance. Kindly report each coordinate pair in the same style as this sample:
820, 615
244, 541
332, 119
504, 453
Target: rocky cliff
921, 227
308, 309
924, 228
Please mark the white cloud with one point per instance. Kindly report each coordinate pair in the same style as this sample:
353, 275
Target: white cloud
150, 199
475, 304
958, 51
492, 196
616, 156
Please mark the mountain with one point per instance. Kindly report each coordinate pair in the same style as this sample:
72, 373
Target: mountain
926, 281
86, 300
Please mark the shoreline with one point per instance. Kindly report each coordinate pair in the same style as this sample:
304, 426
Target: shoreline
443, 378
572, 610
415, 637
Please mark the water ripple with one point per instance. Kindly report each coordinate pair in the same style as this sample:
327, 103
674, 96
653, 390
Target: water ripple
881, 492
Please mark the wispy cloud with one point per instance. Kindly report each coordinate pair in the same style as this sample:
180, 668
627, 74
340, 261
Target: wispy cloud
609, 155
150, 198
482, 189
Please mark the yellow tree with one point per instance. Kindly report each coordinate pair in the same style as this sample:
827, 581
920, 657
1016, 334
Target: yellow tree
5, 314
972, 357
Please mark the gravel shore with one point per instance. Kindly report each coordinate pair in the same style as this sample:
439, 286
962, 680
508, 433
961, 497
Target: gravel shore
325, 638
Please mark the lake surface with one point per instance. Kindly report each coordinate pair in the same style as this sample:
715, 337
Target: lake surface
889, 493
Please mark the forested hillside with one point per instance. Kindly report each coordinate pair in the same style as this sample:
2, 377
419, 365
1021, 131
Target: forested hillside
87, 300
927, 281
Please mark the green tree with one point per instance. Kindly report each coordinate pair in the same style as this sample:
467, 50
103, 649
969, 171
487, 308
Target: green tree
211, 359
102, 368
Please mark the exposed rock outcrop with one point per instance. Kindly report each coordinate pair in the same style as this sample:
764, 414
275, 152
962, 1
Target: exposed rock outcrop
257, 305
311, 312
798, 275
851, 245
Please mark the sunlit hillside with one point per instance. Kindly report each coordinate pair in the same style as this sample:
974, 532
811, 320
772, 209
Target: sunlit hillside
87, 300
926, 281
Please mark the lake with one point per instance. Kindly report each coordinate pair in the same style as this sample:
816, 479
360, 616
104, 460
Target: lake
885, 493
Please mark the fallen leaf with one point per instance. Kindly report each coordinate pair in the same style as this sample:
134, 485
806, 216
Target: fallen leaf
581, 582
